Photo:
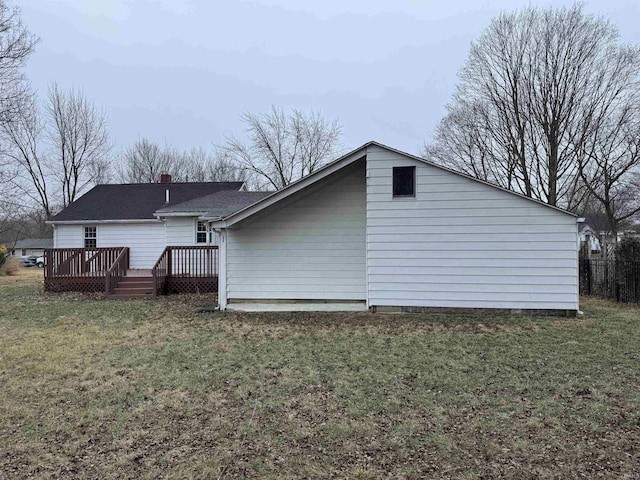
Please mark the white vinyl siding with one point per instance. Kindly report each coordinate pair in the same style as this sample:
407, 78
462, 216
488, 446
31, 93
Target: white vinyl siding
68, 236
460, 243
313, 247
181, 231
145, 240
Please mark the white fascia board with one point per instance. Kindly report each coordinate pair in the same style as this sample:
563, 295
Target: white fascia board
83, 222
219, 224
180, 214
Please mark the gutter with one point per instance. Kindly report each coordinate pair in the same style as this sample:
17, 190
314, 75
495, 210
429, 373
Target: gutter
83, 222
179, 214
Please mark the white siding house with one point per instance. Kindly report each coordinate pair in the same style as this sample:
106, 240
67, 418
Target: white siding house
125, 216
377, 226
454, 242
146, 240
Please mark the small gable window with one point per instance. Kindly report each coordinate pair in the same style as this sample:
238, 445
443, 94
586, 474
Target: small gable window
201, 232
404, 181
90, 237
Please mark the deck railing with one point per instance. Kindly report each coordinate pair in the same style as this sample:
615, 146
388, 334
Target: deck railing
186, 269
117, 271
193, 262
182, 269
160, 272
79, 262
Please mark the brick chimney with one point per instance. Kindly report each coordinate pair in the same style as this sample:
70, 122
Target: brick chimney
165, 178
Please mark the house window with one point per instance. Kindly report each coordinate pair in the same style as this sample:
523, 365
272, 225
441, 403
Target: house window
201, 232
90, 237
404, 181
24, 252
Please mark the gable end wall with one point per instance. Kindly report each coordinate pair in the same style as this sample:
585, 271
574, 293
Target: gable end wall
463, 244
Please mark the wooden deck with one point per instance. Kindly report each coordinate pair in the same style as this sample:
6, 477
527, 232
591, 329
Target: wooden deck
180, 269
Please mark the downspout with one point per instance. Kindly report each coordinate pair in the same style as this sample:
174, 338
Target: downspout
222, 268
578, 222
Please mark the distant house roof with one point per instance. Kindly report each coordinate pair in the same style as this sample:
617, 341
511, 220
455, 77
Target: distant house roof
34, 243
215, 205
136, 201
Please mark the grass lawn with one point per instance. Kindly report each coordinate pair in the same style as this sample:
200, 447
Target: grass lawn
149, 389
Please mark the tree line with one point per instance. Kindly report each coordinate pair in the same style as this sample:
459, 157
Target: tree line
53, 148
548, 105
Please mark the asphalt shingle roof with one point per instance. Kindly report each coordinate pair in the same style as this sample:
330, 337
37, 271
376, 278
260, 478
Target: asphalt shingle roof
217, 204
136, 201
34, 243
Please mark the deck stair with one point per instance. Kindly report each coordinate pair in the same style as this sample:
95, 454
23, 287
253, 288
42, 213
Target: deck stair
136, 284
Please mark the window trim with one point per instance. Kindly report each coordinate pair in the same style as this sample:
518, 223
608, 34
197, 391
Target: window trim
205, 231
85, 237
393, 177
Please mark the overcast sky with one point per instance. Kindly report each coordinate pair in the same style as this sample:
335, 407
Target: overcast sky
182, 71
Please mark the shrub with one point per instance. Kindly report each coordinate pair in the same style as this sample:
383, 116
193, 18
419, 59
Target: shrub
628, 250
10, 266
4, 254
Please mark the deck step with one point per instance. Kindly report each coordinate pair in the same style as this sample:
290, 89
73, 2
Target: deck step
133, 287
137, 280
127, 288
129, 296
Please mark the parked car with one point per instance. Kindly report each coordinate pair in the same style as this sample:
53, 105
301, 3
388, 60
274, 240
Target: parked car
29, 260
40, 262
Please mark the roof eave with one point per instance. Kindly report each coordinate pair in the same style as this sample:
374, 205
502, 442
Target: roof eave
180, 214
87, 221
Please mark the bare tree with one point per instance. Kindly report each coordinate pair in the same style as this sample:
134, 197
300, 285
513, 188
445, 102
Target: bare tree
610, 165
31, 170
224, 169
539, 83
79, 140
145, 161
281, 147
57, 153
16, 45
202, 165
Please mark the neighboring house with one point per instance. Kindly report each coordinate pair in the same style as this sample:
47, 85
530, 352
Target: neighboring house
377, 226
31, 246
589, 241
